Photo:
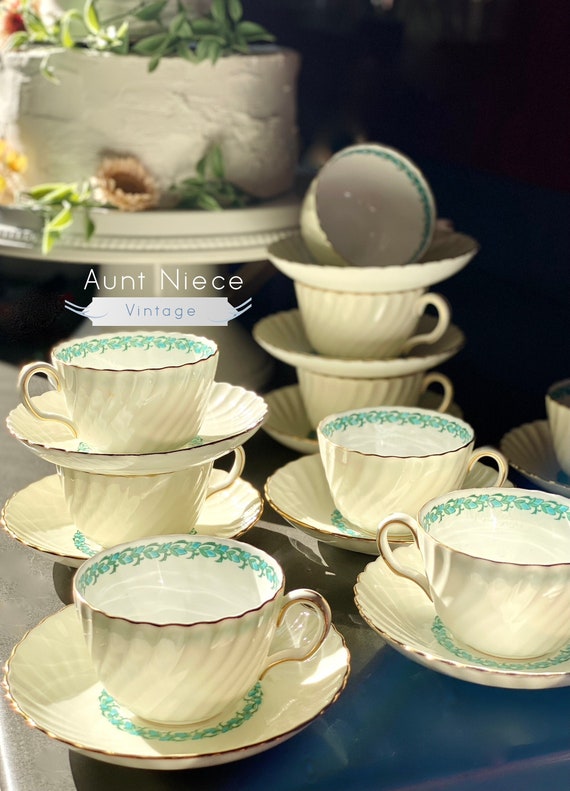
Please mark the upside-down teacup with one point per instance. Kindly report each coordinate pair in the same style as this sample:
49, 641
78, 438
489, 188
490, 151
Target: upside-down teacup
496, 564
129, 392
324, 395
181, 627
352, 325
383, 459
112, 509
558, 412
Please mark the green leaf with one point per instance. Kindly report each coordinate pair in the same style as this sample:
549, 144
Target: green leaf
58, 195
49, 238
151, 44
47, 71
176, 24
151, 11
235, 10
218, 11
17, 40
205, 27
66, 38
62, 220
153, 62
91, 18
184, 51
203, 50
207, 202
249, 29
40, 190
216, 161
202, 166
89, 226
185, 31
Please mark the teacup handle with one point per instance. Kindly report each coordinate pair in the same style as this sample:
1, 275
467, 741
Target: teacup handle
383, 543
487, 452
319, 608
24, 378
232, 475
440, 303
448, 392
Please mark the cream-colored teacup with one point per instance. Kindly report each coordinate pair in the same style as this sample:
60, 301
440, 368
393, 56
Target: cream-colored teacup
324, 395
341, 324
132, 392
180, 628
384, 459
112, 509
558, 412
496, 564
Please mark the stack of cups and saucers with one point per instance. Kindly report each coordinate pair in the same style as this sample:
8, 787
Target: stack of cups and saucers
178, 630
472, 575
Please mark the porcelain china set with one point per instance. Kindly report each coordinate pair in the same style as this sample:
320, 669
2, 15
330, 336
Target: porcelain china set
483, 592
367, 252
182, 647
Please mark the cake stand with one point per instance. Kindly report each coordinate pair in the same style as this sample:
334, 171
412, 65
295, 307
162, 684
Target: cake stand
171, 247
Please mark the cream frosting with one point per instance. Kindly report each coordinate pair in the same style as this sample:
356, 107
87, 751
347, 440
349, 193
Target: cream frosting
110, 104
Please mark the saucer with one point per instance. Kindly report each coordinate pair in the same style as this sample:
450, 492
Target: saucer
288, 424
283, 336
233, 416
37, 516
61, 696
448, 253
529, 451
397, 609
299, 492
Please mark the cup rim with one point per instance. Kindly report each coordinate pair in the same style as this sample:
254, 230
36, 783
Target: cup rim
440, 416
552, 394
419, 290
490, 491
79, 597
211, 347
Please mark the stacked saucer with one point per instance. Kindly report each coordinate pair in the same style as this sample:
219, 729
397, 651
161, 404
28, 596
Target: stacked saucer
178, 632
367, 253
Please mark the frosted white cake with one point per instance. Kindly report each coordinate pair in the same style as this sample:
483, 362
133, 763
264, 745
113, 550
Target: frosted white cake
110, 104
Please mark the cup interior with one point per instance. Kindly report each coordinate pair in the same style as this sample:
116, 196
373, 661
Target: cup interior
396, 432
515, 526
178, 580
135, 352
560, 393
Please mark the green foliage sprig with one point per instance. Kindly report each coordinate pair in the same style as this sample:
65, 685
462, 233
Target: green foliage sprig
209, 188
219, 33
59, 204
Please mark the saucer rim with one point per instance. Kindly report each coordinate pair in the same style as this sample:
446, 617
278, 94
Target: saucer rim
76, 560
410, 650
552, 486
196, 759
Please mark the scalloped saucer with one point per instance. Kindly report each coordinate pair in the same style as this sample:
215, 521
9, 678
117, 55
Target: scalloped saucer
61, 696
398, 610
448, 253
287, 420
233, 416
529, 451
283, 336
37, 516
299, 492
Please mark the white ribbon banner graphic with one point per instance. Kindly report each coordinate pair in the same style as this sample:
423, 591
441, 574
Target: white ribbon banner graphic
159, 311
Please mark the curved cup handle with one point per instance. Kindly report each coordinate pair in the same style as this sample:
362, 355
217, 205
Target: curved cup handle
502, 464
448, 391
383, 543
24, 379
318, 608
443, 319
232, 475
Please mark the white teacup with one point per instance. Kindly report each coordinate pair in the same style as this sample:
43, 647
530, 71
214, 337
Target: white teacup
352, 325
130, 392
558, 412
324, 395
180, 628
384, 459
497, 567
112, 509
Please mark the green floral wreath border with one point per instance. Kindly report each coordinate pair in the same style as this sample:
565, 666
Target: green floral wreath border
126, 342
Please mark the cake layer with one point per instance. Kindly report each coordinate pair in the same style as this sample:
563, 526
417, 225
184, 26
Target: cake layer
105, 104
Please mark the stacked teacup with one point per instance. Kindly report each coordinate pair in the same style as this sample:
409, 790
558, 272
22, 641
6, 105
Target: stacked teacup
178, 626
367, 329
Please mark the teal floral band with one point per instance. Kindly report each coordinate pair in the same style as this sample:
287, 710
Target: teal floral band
397, 417
124, 343
182, 548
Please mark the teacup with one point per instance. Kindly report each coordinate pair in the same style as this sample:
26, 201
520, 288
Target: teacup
384, 459
496, 566
558, 411
382, 325
324, 395
112, 509
180, 628
130, 392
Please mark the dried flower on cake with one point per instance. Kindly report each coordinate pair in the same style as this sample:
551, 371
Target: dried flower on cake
123, 182
12, 165
11, 19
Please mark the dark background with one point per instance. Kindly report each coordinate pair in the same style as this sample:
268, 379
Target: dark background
476, 93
